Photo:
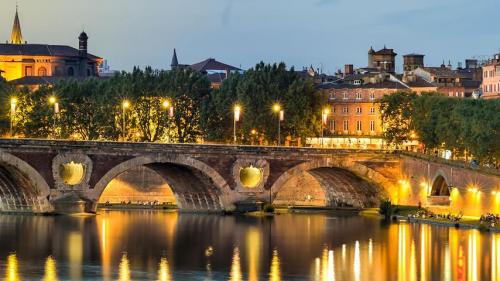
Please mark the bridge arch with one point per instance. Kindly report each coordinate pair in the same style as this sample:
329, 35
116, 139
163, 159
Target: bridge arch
195, 185
440, 186
343, 182
22, 188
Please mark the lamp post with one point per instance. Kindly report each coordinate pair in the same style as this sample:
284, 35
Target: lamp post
237, 113
53, 101
125, 106
324, 118
281, 116
13, 104
170, 108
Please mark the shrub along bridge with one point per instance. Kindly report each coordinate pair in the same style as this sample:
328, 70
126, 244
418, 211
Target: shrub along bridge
44, 176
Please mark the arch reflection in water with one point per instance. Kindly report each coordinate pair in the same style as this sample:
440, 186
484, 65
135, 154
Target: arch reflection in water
50, 270
275, 272
12, 273
124, 269
164, 271
235, 274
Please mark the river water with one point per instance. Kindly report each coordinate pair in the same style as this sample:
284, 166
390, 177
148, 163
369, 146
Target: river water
154, 245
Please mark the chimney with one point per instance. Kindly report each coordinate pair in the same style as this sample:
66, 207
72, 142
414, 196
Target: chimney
348, 69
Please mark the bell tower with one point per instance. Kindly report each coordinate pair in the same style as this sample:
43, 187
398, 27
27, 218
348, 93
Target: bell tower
16, 36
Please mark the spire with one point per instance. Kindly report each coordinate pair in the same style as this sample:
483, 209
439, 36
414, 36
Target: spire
16, 37
175, 62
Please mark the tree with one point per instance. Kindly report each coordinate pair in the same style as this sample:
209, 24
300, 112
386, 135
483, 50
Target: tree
396, 112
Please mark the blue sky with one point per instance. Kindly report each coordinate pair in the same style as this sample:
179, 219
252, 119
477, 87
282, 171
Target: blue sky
324, 33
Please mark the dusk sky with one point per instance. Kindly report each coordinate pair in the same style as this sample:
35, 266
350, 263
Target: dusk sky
324, 33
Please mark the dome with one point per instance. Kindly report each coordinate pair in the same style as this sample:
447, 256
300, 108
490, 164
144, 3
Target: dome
83, 36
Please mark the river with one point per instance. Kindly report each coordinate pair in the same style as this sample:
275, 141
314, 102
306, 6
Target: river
155, 245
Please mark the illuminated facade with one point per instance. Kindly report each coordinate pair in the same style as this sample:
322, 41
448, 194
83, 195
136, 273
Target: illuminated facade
491, 79
26, 64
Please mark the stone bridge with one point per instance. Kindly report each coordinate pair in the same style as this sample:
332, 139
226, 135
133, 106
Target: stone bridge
44, 176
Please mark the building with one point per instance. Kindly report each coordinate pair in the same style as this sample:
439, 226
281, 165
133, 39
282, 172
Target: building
491, 79
412, 62
354, 119
383, 60
215, 71
454, 83
22, 62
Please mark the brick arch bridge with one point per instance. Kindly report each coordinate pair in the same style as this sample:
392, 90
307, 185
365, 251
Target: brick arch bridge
202, 177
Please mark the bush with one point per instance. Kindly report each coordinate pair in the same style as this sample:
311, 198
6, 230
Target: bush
268, 208
386, 208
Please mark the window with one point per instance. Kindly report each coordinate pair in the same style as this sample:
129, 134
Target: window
332, 96
372, 126
71, 71
345, 95
345, 110
372, 96
358, 96
358, 126
42, 71
28, 71
358, 110
333, 125
346, 125
372, 110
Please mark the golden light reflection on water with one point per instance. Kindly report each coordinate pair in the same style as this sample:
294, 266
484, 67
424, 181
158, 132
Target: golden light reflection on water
235, 274
12, 272
253, 244
164, 271
50, 270
124, 269
275, 272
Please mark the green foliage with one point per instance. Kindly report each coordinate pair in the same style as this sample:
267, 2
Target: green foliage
397, 112
256, 91
443, 122
268, 208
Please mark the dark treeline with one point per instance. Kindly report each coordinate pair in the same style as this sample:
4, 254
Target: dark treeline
136, 107
463, 126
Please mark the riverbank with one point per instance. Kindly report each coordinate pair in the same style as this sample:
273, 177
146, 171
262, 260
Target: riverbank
407, 214
136, 207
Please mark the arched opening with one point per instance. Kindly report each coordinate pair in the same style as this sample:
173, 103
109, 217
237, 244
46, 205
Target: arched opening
19, 193
42, 71
440, 187
194, 185
301, 190
140, 186
340, 187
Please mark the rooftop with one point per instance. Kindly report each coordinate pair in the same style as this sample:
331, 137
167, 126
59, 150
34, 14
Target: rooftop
41, 50
443, 72
214, 65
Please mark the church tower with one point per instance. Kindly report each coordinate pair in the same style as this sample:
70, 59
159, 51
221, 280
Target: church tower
175, 62
16, 37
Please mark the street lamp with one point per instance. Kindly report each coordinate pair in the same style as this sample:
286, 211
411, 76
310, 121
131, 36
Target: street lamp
237, 113
170, 108
125, 106
281, 116
324, 118
53, 101
13, 104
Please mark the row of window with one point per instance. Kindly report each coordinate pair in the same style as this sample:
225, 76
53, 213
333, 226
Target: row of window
491, 88
359, 96
42, 71
490, 73
345, 125
359, 110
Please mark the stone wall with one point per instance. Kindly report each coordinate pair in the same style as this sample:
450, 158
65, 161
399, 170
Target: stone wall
301, 190
138, 185
472, 192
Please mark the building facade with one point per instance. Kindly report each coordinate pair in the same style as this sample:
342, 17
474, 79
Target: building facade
491, 79
383, 60
20, 61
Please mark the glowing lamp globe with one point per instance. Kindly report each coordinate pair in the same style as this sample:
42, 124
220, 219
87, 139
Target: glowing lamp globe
251, 177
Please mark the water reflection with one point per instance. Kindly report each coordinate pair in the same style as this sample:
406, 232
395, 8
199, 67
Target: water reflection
124, 269
164, 271
169, 246
50, 270
275, 272
12, 273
